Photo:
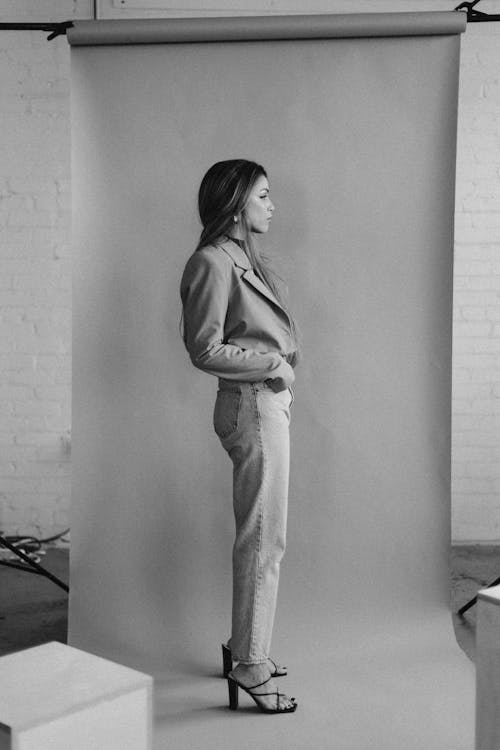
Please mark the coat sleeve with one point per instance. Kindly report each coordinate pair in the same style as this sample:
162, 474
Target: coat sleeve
205, 291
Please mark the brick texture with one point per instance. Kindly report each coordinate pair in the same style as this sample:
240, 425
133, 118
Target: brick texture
35, 279
476, 332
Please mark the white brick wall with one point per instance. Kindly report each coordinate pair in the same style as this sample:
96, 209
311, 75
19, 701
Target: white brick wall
35, 256
35, 280
476, 334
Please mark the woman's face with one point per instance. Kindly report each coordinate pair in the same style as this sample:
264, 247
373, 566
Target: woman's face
259, 208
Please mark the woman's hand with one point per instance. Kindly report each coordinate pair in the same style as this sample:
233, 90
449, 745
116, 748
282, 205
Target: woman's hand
283, 380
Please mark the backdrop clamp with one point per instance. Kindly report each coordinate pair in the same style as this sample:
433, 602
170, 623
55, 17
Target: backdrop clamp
474, 16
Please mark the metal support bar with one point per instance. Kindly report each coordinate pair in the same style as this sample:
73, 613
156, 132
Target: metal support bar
60, 28
56, 29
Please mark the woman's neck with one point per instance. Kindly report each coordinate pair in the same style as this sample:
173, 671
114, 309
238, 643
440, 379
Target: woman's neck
236, 233
238, 240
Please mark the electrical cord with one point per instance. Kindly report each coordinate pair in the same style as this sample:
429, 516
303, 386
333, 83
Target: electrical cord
29, 545
29, 559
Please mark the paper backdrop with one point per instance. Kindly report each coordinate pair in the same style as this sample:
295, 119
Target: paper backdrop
354, 118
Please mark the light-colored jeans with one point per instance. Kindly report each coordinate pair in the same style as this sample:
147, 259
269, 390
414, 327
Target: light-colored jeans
252, 422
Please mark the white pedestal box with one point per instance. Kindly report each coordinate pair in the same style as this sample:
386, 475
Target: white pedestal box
488, 669
56, 697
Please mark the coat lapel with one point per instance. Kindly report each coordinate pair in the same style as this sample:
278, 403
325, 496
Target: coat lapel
251, 277
240, 258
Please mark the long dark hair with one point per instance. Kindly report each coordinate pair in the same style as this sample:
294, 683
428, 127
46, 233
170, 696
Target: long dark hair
223, 194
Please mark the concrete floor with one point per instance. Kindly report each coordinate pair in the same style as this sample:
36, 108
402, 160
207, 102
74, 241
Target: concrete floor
472, 568
190, 709
33, 610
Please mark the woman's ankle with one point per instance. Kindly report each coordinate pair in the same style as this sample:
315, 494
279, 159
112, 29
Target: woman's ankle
257, 670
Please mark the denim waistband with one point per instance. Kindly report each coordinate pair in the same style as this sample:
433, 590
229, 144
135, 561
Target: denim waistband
242, 385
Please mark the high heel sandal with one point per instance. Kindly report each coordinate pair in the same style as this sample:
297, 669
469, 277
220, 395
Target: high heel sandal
233, 686
227, 663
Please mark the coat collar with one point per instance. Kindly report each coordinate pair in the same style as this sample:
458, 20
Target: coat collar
236, 253
240, 259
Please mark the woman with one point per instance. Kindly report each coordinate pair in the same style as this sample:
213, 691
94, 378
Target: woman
237, 327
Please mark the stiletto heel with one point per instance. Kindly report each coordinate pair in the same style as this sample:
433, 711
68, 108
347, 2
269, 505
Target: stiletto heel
227, 663
233, 686
227, 660
233, 694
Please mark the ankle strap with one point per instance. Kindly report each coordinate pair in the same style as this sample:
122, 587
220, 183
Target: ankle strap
252, 687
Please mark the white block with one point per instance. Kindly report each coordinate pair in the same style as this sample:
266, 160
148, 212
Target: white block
488, 669
56, 697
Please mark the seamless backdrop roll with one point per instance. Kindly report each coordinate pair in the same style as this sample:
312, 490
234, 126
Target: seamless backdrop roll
358, 136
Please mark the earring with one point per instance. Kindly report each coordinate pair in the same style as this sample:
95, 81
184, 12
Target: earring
235, 219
